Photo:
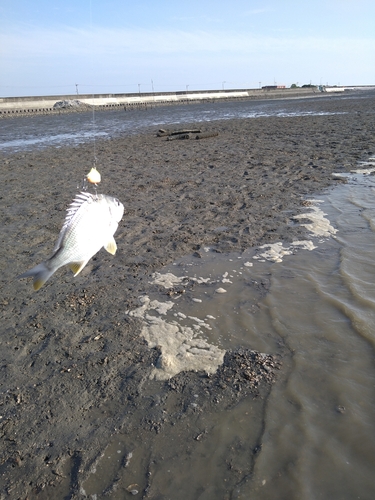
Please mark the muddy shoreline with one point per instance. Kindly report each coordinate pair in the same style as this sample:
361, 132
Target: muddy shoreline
75, 368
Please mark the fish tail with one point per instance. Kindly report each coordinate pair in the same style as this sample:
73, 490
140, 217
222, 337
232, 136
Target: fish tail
41, 273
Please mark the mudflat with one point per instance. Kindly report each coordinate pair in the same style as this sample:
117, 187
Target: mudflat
75, 369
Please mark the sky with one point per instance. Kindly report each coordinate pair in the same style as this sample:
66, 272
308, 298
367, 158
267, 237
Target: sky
121, 46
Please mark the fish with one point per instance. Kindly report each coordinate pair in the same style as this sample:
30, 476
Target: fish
90, 224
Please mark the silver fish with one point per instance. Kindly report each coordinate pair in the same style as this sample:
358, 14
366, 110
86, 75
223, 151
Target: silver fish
90, 224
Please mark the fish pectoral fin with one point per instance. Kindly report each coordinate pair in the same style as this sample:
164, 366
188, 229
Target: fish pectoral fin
111, 246
77, 267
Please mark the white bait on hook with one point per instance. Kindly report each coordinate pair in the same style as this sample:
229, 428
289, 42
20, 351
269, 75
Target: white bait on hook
93, 176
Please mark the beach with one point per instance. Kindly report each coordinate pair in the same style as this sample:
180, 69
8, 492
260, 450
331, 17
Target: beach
75, 366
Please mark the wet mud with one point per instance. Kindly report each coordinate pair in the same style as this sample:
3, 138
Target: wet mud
75, 370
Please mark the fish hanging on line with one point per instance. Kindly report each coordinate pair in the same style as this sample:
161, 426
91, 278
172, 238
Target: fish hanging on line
90, 224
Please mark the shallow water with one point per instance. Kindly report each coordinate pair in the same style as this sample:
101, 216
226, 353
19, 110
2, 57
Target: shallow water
316, 308
37, 132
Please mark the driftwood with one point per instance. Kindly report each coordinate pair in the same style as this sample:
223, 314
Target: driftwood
162, 132
185, 134
206, 135
178, 136
186, 131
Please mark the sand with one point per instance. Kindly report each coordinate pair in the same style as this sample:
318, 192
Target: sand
75, 369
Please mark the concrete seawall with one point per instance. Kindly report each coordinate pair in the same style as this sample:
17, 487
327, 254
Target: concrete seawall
21, 106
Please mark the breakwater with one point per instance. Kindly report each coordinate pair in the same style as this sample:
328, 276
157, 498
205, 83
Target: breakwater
21, 106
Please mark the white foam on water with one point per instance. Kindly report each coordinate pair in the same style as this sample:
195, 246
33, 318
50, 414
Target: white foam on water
304, 245
181, 348
370, 164
181, 315
366, 171
160, 307
167, 280
276, 251
200, 321
201, 280
319, 226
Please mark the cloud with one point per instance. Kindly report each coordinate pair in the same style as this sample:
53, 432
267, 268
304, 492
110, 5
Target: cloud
105, 42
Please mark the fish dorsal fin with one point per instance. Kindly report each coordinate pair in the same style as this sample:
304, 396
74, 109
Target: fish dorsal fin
77, 267
79, 200
111, 246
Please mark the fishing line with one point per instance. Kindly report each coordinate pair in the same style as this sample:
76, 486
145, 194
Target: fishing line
93, 177
95, 159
